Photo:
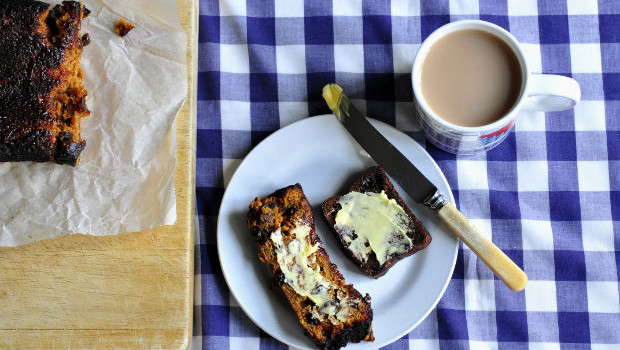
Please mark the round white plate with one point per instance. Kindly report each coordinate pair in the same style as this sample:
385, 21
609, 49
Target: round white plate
318, 153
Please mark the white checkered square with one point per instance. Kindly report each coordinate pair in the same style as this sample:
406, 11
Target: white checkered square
426, 344
291, 59
590, 116
234, 58
232, 8
532, 176
291, 112
248, 343
530, 121
543, 346
537, 235
532, 56
347, 8
349, 58
604, 346
598, 236
603, 297
472, 175
585, 58
522, 7
458, 7
229, 167
582, 7
480, 295
541, 296
405, 8
593, 175
287, 8
236, 115
403, 57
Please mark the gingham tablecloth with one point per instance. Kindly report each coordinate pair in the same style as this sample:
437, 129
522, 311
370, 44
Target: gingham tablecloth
549, 196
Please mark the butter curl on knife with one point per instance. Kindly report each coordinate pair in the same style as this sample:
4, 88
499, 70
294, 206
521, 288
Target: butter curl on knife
332, 94
420, 188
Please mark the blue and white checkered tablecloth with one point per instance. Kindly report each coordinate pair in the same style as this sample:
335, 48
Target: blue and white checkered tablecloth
549, 196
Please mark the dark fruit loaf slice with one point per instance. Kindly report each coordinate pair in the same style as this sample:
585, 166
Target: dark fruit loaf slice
373, 224
331, 312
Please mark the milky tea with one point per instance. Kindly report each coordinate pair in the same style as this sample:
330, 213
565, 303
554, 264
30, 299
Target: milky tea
471, 78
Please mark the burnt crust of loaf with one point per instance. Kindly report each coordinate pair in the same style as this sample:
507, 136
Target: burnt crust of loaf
281, 210
375, 180
41, 96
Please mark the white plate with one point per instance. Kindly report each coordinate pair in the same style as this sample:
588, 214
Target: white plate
318, 153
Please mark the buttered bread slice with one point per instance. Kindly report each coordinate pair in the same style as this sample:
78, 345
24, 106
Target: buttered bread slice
373, 224
331, 312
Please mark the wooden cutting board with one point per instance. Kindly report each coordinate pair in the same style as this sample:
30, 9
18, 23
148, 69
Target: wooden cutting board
131, 291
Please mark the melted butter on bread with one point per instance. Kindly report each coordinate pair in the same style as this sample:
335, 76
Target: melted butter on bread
297, 261
372, 222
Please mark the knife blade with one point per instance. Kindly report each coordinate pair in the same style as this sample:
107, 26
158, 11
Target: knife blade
420, 188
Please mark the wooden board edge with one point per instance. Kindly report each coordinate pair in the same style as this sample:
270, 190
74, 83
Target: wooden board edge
192, 59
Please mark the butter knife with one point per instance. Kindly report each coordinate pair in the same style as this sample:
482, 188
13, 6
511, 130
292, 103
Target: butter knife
420, 188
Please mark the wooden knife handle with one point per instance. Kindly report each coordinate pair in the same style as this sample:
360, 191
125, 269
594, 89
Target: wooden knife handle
504, 268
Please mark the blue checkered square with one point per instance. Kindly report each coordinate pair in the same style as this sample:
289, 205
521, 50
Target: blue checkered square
611, 86
319, 30
215, 313
448, 317
553, 29
608, 25
561, 145
511, 326
209, 31
431, 22
210, 91
261, 31
574, 327
570, 265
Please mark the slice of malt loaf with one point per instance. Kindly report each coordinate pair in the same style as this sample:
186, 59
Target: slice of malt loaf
331, 312
374, 226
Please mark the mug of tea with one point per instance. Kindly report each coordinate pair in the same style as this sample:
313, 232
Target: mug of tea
470, 80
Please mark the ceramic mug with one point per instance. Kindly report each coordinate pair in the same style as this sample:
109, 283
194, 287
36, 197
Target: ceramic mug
541, 92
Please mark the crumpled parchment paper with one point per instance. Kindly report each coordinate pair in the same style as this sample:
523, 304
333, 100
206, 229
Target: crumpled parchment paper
125, 179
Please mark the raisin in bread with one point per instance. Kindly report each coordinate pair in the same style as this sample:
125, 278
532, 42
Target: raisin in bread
373, 224
331, 312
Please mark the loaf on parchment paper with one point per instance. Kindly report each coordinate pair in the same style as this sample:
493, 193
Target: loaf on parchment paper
42, 99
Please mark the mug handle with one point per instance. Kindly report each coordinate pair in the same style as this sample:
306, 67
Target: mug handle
550, 92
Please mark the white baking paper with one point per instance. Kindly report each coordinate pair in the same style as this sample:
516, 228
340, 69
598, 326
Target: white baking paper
125, 179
